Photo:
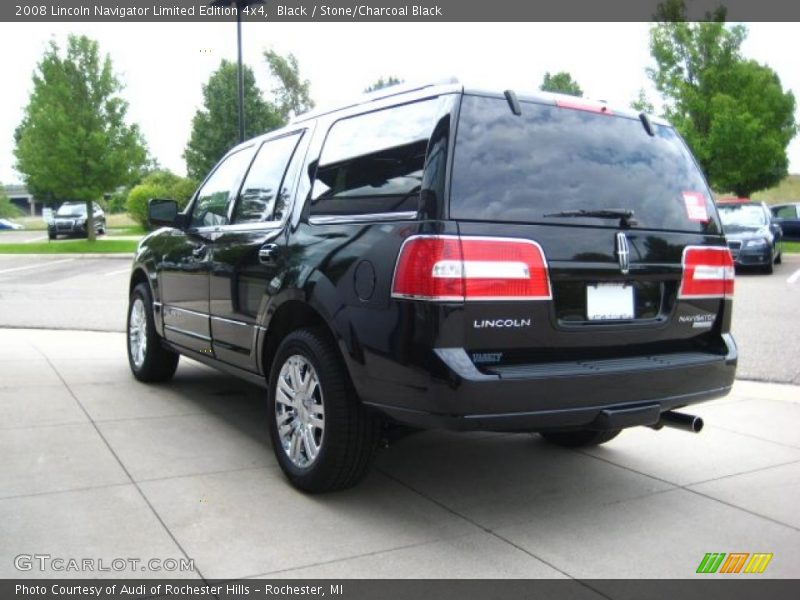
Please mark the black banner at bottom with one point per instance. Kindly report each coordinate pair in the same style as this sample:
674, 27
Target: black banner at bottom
732, 588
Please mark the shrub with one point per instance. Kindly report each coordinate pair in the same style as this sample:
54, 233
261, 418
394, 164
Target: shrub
137, 201
159, 184
117, 202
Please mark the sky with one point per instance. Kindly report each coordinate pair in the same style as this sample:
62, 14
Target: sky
164, 65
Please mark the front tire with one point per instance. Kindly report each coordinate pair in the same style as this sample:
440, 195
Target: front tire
149, 360
580, 438
323, 437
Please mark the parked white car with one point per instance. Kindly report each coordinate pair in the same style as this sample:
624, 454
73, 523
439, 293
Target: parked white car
6, 224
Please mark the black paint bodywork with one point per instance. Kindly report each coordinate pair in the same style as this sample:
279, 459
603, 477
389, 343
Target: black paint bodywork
419, 362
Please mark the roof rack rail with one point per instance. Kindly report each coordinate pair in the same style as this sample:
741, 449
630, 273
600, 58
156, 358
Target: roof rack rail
367, 97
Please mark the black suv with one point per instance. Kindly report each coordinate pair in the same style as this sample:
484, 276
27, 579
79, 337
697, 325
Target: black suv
70, 219
445, 257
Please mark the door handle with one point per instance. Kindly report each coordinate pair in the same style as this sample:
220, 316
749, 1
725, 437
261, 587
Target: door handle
199, 251
266, 252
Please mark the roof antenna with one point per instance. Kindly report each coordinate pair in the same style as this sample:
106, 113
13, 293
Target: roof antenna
648, 126
513, 102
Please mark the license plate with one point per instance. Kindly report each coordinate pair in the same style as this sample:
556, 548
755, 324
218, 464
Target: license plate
609, 302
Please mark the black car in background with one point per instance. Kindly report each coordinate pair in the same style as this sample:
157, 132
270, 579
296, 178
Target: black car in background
445, 257
70, 219
788, 217
752, 235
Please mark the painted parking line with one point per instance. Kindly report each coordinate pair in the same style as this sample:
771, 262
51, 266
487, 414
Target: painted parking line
36, 266
794, 277
120, 272
36, 239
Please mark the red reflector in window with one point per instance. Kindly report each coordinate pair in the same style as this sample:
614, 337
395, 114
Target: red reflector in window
470, 268
708, 272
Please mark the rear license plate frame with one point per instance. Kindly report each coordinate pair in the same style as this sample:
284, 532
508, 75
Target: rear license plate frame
610, 302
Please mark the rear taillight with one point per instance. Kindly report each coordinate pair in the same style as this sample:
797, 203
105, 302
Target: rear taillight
452, 268
708, 272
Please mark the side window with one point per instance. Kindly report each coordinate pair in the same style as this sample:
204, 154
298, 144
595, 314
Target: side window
211, 206
264, 193
373, 163
786, 212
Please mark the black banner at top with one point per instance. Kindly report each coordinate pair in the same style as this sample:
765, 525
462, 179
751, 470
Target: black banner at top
382, 10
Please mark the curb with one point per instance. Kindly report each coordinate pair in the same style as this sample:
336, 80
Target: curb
114, 255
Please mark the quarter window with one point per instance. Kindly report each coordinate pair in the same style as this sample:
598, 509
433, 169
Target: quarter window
373, 163
264, 194
211, 205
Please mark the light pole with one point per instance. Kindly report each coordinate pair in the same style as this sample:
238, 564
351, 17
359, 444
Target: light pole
240, 6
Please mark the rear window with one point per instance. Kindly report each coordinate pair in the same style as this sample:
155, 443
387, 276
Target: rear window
553, 160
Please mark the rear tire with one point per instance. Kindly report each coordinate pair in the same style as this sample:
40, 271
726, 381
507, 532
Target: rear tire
149, 360
580, 438
323, 437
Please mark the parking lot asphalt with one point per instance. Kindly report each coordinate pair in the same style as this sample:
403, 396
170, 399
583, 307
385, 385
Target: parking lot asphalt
97, 465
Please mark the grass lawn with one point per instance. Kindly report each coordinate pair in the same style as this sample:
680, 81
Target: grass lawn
71, 247
787, 190
135, 230
791, 247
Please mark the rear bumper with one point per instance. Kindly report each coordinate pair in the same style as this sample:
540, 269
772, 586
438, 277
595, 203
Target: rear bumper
600, 395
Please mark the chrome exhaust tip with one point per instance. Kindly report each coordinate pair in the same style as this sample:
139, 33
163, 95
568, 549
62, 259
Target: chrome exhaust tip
678, 420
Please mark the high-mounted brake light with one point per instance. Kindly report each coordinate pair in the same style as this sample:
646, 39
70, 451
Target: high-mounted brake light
453, 268
595, 107
708, 272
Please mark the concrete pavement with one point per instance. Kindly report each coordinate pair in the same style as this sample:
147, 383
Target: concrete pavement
97, 465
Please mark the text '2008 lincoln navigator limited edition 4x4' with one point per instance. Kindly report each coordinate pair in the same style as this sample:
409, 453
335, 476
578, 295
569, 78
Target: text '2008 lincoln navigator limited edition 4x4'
445, 257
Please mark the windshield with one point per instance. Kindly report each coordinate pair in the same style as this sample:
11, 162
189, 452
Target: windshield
742, 215
71, 210
551, 160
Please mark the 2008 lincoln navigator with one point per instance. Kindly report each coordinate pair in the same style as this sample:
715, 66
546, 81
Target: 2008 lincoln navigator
445, 257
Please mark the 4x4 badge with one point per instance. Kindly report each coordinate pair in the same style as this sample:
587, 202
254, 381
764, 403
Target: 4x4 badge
623, 253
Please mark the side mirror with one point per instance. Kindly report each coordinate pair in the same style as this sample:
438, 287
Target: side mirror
163, 213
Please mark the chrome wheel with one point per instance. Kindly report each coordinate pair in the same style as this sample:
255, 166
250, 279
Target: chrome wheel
137, 333
299, 411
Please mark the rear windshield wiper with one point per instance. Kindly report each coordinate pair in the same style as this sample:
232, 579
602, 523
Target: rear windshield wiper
625, 215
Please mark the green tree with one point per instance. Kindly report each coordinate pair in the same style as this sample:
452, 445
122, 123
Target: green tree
561, 82
383, 83
291, 94
215, 127
642, 103
158, 184
7, 209
73, 142
733, 112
